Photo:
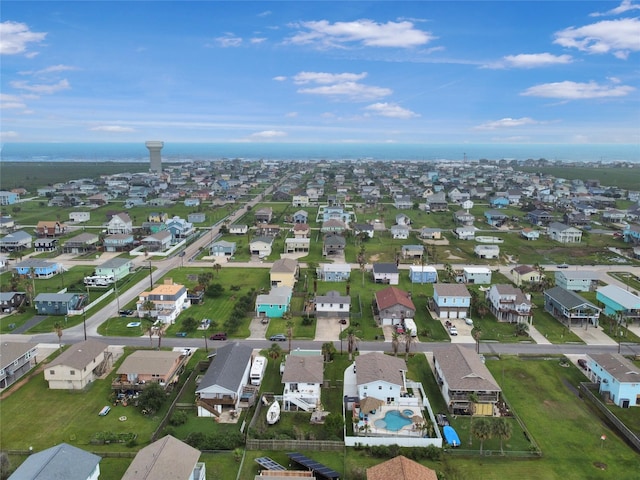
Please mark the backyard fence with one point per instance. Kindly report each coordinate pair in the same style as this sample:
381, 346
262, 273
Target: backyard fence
294, 445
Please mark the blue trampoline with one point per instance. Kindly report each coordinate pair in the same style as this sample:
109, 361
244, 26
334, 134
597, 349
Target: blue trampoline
450, 436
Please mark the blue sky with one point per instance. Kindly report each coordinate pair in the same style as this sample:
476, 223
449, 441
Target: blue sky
340, 72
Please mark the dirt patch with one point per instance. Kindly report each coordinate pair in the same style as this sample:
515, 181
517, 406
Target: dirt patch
600, 465
374, 258
452, 257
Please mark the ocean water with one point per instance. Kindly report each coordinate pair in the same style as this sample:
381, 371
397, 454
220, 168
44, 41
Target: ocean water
174, 152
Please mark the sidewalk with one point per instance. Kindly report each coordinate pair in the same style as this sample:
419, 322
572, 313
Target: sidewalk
537, 336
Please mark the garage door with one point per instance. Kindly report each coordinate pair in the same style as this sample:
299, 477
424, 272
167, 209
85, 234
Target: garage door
453, 314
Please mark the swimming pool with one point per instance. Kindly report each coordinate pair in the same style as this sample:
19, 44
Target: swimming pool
393, 420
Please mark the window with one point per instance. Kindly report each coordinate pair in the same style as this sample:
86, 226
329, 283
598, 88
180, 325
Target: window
52, 372
72, 372
380, 387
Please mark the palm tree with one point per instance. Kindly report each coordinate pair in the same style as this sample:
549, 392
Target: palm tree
473, 399
289, 333
352, 342
274, 351
395, 342
328, 350
502, 428
150, 330
217, 267
160, 335
481, 429
476, 332
408, 340
57, 327
482, 307
147, 306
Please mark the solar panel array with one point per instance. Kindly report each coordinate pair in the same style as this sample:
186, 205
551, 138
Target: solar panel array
266, 462
315, 467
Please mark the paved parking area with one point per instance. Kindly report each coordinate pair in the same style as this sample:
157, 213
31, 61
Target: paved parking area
328, 329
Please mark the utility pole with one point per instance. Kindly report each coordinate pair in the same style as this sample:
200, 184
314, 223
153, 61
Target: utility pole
150, 276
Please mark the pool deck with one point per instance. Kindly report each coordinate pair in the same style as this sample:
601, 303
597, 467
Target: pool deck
409, 430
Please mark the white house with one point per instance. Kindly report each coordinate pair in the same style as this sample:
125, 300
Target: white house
509, 304
120, 223
238, 229
479, 275
386, 273
333, 305
577, 280
302, 378
564, 233
487, 251
167, 301
261, 246
79, 217
380, 376
465, 233
450, 300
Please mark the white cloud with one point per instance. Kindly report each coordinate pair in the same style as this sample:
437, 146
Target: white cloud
51, 69
576, 91
112, 129
257, 40
327, 78
352, 90
42, 89
625, 6
15, 37
391, 110
364, 32
280, 78
11, 101
8, 134
266, 13
268, 135
619, 37
291, 114
531, 60
229, 40
506, 123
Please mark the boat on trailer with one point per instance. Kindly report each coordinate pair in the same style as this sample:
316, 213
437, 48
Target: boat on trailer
273, 414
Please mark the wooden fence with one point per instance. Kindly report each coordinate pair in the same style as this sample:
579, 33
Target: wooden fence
294, 445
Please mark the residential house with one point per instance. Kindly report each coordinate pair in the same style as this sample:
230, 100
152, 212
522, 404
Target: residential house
226, 377
167, 458
116, 267
16, 359
333, 244
284, 272
144, 367
509, 304
461, 374
222, 248
301, 230
457, 196
402, 202
465, 233
301, 216
50, 229
83, 243
564, 233
300, 201
400, 232
570, 308
361, 229
402, 219
400, 468
264, 215
261, 246
333, 226
180, 229
333, 272
380, 376
16, 242
157, 242
476, 275
617, 378
423, 274
437, 202
191, 202
78, 366
59, 303
268, 230
450, 300
631, 234
154, 227
499, 202
386, 273
158, 217
274, 304
612, 215
619, 303
495, 218
238, 229
487, 251
427, 233
393, 306
463, 217
302, 377
98, 199
576, 219
332, 305
118, 242
36, 268
412, 252
120, 223
297, 245
62, 461
577, 280
10, 301
8, 198
167, 301
525, 275
7, 224
530, 234
45, 244
539, 217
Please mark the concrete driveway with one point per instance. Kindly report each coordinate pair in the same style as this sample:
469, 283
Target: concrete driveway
328, 329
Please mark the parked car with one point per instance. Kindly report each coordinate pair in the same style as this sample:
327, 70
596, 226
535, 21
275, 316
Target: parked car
453, 331
583, 363
563, 265
218, 336
468, 321
278, 337
399, 329
181, 334
125, 313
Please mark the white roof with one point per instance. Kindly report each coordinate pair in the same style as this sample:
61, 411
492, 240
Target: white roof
335, 267
477, 270
422, 268
626, 299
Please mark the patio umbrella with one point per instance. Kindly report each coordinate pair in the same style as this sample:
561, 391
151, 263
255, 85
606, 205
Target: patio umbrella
369, 404
417, 419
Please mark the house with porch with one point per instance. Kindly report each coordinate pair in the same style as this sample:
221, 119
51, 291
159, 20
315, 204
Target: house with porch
381, 376
386, 273
157, 242
167, 301
495, 218
499, 202
525, 275
117, 267
530, 234
461, 373
539, 217
268, 230
412, 252
487, 252
301, 230
45, 244
10, 301
118, 242
577, 280
51, 228
261, 246
450, 300
180, 229
509, 304
465, 233
400, 232
333, 226
569, 308
393, 306
631, 234
427, 233
16, 242
423, 274
82, 243
302, 377
16, 359
284, 272
463, 217
300, 201
78, 366
166, 458
333, 272
264, 215
274, 304
297, 245
120, 223
36, 268
222, 385
619, 303
617, 378
144, 367
363, 229
333, 244
59, 303
564, 233
301, 216
222, 248
61, 461
238, 229
333, 305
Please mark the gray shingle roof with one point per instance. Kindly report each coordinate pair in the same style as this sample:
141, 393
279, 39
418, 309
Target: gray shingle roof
62, 462
378, 366
227, 367
618, 367
303, 369
464, 371
80, 355
164, 459
567, 298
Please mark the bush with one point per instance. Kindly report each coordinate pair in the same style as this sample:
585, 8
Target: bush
179, 417
201, 441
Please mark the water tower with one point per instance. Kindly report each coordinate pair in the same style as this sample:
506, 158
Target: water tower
154, 155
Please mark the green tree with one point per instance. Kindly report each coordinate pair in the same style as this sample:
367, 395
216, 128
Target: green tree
289, 332
215, 290
328, 351
473, 399
274, 351
58, 328
152, 398
352, 342
502, 428
5, 466
395, 343
521, 330
408, 340
147, 307
189, 324
481, 429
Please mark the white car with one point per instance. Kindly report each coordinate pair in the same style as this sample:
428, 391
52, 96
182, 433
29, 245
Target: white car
453, 331
468, 321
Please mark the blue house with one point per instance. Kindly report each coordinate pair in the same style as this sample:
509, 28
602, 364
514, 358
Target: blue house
179, 228
618, 379
8, 198
118, 242
37, 268
58, 303
616, 301
223, 248
631, 234
274, 304
494, 218
423, 274
333, 272
300, 216
499, 202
